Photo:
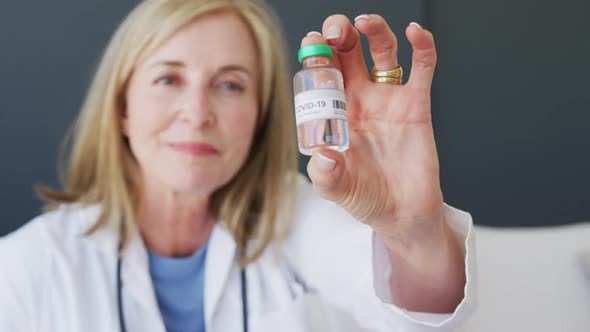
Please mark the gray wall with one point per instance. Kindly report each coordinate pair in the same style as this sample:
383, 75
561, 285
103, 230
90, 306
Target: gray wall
511, 108
509, 96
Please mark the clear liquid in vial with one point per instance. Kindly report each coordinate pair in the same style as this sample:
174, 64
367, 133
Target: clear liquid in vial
320, 106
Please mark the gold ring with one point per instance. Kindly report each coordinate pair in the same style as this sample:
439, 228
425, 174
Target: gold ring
392, 80
393, 76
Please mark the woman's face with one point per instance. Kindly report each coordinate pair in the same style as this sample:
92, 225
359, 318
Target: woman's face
192, 106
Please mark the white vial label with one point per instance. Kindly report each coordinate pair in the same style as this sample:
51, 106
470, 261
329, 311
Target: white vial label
320, 104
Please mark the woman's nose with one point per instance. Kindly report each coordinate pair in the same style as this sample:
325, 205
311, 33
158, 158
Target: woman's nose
196, 108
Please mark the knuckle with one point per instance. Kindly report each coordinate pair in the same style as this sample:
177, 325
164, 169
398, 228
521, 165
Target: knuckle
383, 48
426, 59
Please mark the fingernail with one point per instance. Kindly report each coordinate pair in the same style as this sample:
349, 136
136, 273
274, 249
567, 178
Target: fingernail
332, 32
314, 33
324, 163
362, 17
416, 25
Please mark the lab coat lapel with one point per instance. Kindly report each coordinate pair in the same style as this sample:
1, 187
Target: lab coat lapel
138, 290
221, 255
137, 283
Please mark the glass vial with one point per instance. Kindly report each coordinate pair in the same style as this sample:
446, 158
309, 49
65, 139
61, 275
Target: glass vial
320, 104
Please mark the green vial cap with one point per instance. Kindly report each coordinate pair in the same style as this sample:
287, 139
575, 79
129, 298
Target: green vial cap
315, 50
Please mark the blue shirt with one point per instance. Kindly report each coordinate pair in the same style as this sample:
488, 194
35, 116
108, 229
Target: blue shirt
179, 285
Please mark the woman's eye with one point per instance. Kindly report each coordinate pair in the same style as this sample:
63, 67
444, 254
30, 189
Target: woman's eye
231, 86
166, 80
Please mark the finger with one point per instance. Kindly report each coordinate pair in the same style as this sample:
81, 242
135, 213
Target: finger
382, 41
314, 37
423, 56
345, 40
327, 172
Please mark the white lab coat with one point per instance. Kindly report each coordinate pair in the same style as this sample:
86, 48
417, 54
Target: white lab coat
53, 278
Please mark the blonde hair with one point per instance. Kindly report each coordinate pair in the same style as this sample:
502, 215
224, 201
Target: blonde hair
256, 202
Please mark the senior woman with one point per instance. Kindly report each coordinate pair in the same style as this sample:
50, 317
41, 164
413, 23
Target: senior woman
182, 210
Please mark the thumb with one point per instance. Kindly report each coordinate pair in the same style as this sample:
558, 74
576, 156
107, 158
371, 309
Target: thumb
327, 172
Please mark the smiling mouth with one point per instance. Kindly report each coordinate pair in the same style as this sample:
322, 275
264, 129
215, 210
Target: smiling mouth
194, 149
